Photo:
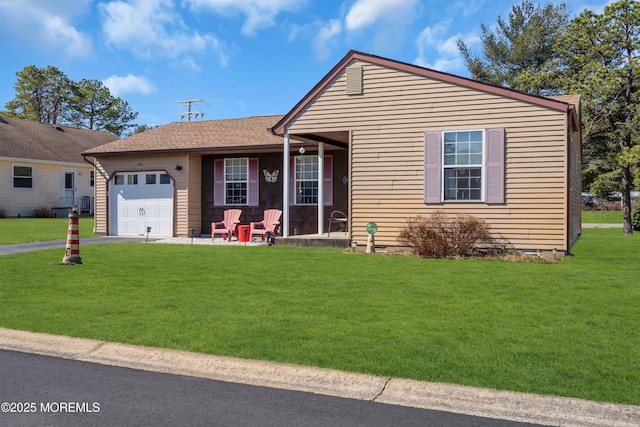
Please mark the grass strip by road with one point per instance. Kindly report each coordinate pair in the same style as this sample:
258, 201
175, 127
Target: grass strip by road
570, 328
602, 217
23, 230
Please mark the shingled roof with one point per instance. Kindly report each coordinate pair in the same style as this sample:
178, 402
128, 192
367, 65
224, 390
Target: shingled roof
201, 136
26, 139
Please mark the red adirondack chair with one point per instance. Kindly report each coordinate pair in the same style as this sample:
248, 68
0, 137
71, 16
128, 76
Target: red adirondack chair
269, 223
227, 227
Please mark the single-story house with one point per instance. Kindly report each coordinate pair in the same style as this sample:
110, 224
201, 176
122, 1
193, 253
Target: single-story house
379, 139
41, 165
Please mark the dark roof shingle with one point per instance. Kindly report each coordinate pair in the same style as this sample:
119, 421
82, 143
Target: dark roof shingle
26, 139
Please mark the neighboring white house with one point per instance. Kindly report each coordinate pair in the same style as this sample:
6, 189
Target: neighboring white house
41, 166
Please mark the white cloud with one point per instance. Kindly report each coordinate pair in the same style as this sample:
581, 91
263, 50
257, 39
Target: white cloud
152, 28
325, 38
259, 13
119, 85
438, 53
47, 25
365, 13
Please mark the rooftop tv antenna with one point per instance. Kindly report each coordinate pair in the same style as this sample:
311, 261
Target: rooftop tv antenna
190, 113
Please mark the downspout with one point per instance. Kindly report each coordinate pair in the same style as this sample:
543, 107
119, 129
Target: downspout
320, 188
285, 186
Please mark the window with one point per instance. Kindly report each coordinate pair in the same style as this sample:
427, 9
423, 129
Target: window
303, 180
235, 181
165, 179
132, 179
150, 179
92, 178
23, 177
462, 166
118, 180
306, 180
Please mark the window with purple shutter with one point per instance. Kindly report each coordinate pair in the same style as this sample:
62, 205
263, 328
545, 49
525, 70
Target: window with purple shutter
462, 165
303, 184
236, 182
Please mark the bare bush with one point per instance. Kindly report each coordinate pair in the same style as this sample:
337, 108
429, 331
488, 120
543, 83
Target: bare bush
42, 212
440, 236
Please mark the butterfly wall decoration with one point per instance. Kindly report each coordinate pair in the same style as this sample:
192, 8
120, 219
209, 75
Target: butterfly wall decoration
271, 176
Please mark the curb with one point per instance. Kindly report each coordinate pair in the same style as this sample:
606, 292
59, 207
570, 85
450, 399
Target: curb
522, 407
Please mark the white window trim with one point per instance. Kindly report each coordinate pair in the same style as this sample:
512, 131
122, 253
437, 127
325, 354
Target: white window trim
13, 176
246, 181
295, 180
482, 167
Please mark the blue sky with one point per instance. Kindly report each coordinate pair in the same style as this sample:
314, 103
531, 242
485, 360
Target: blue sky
242, 57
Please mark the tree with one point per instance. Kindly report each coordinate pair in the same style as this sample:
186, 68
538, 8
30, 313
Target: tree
600, 60
48, 95
515, 52
41, 94
140, 128
93, 107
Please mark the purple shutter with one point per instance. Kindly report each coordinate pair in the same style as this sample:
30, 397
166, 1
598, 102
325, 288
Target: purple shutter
254, 182
218, 182
432, 167
328, 180
495, 170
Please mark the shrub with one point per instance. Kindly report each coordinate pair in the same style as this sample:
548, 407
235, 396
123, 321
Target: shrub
3, 213
635, 219
42, 212
440, 236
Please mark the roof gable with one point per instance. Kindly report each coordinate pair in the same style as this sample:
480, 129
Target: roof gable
202, 136
27, 139
279, 128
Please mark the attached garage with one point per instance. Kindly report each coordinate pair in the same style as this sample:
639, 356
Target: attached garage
141, 200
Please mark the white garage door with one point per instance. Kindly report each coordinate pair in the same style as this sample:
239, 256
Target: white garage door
141, 200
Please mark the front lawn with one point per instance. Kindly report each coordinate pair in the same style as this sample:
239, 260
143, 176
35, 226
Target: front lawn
22, 230
570, 328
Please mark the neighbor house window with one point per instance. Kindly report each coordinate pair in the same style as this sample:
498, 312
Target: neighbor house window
150, 179
165, 178
92, 178
23, 177
306, 180
236, 182
464, 166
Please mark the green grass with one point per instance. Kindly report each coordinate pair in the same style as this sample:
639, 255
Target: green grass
22, 230
570, 328
602, 217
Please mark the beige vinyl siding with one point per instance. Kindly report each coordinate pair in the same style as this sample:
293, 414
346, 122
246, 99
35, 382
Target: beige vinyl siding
111, 165
48, 185
194, 198
388, 123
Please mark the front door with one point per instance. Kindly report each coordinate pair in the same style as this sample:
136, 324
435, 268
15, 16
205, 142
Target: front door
69, 188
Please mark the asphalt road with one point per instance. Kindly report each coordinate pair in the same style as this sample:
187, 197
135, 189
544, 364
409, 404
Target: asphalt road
40, 390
